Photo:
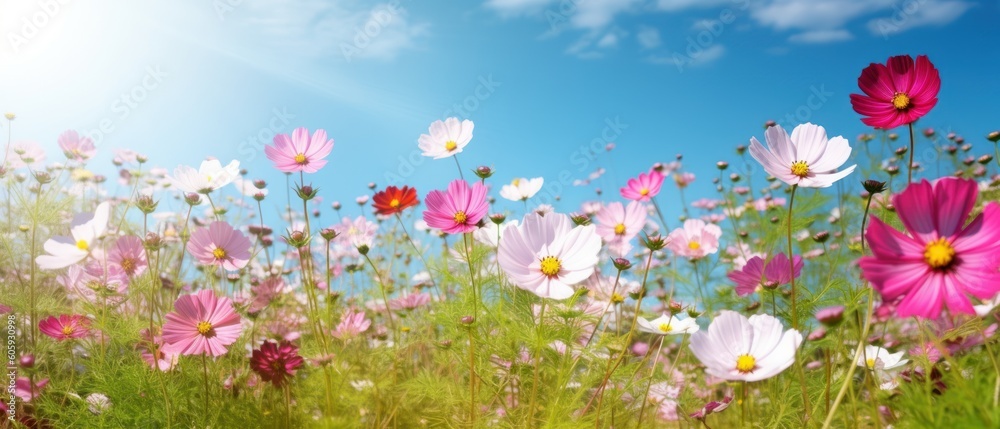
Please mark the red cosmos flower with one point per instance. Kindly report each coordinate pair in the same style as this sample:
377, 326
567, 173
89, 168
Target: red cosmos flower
276, 362
898, 92
394, 200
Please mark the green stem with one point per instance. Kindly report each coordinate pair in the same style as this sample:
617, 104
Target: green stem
909, 168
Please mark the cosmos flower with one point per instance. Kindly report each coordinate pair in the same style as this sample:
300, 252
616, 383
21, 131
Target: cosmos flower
26, 390
490, 233
806, 159
618, 225
898, 92
25, 154
394, 200
668, 325
299, 152
739, 349
84, 229
209, 177
276, 363
548, 256
128, 254
356, 233
446, 138
457, 210
76, 147
521, 189
65, 327
644, 187
153, 353
874, 356
201, 324
942, 260
220, 244
757, 273
352, 323
695, 240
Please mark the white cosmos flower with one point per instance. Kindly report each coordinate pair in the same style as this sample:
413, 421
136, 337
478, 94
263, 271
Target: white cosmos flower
446, 138
548, 255
84, 230
490, 233
875, 356
522, 188
668, 325
807, 158
209, 177
735, 348
987, 306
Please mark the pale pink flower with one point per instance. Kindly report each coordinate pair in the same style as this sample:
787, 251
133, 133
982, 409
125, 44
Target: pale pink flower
806, 159
739, 349
76, 147
352, 324
446, 138
548, 256
201, 324
299, 152
220, 244
695, 240
128, 254
618, 225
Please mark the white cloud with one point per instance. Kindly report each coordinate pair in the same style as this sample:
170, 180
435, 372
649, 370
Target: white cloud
675, 5
609, 40
593, 44
683, 60
648, 37
917, 14
517, 7
593, 14
821, 36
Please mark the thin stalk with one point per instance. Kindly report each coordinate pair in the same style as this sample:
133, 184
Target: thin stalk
909, 167
649, 383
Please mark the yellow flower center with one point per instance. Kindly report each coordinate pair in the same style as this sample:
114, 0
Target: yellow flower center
450, 145
870, 363
460, 217
694, 245
644, 191
394, 203
901, 101
128, 265
550, 266
939, 253
515, 182
67, 330
300, 159
82, 245
620, 229
800, 168
746, 363
617, 298
204, 328
665, 327
219, 253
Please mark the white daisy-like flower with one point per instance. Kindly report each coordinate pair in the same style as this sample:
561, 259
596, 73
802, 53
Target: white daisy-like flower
522, 188
548, 255
490, 233
668, 325
84, 230
807, 158
211, 175
446, 138
736, 348
874, 356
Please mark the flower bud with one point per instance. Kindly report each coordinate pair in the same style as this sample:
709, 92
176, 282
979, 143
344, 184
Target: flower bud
484, 172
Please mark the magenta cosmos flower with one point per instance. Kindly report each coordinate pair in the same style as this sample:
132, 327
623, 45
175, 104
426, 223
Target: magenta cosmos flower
736, 348
299, 152
942, 260
220, 244
898, 92
201, 323
458, 209
757, 273
547, 255
618, 225
275, 362
644, 187
696, 239
65, 327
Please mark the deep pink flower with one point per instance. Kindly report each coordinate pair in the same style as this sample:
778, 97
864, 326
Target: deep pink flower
220, 244
201, 323
65, 327
644, 187
129, 254
299, 152
757, 273
898, 92
76, 147
26, 391
458, 209
276, 362
942, 260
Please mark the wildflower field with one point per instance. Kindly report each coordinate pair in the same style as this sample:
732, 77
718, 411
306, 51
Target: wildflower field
837, 283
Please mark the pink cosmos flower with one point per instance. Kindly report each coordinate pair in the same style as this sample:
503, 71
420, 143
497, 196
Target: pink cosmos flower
220, 244
356, 233
618, 224
547, 255
76, 147
942, 260
275, 362
352, 324
85, 229
129, 255
644, 187
736, 348
806, 159
65, 327
410, 301
299, 152
458, 209
25, 154
683, 179
696, 239
26, 391
898, 92
201, 324
757, 273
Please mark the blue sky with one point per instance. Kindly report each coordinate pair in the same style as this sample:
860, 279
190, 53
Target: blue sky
543, 80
